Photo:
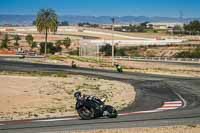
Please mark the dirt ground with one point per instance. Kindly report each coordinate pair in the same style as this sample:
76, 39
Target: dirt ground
175, 129
26, 97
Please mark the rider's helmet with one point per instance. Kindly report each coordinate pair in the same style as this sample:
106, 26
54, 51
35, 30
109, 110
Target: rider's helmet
77, 94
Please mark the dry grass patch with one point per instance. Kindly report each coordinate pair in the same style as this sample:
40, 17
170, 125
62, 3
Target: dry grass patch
25, 97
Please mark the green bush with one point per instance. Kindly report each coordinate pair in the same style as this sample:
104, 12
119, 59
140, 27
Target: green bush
107, 50
120, 52
189, 54
50, 48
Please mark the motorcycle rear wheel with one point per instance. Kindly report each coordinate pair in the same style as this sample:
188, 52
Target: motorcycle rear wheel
86, 114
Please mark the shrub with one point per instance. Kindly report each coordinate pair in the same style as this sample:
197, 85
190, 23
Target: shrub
50, 48
189, 54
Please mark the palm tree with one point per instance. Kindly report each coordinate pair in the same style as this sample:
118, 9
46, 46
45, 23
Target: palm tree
16, 38
47, 21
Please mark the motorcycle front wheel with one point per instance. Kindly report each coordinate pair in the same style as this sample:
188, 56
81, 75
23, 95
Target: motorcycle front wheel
112, 111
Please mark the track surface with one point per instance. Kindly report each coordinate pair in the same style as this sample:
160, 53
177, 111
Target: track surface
152, 92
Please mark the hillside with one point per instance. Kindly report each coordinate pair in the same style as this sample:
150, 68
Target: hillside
72, 19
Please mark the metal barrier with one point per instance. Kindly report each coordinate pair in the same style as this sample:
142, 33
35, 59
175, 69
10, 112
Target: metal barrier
20, 56
160, 59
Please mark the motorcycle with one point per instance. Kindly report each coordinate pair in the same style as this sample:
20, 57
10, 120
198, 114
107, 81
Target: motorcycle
119, 68
74, 64
90, 109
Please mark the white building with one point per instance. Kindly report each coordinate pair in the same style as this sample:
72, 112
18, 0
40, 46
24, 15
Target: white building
163, 26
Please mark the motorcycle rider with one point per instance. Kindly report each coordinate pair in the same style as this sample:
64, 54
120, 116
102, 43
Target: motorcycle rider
81, 97
106, 110
73, 64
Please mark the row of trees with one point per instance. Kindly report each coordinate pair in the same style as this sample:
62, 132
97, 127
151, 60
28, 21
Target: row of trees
87, 24
57, 47
5, 41
133, 28
51, 47
193, 28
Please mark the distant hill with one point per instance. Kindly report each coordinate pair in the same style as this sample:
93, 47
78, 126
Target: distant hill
28, 19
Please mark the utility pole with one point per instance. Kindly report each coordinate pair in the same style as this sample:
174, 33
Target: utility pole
113, 47
97, 52
80, 50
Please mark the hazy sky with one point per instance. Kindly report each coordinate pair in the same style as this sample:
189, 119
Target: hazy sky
170, 8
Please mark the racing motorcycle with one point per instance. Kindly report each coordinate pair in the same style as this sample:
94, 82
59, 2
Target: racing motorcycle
119, 68
90, 109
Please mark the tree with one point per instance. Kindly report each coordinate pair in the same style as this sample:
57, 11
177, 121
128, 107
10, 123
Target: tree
50, 48
120, 52
34, 45
5, 41
67, 42
177, 29
59, 42
58, 45
189, 54
107, 50
193, 27
29, 38
64, 23
47, 21
144, 24
140, 28
17, 39
150, 26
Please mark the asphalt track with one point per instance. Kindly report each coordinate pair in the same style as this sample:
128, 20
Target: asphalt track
151, 109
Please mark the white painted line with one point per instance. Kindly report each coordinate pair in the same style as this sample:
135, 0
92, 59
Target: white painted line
170, 105
139, 112
174, 102
50, 120
182, 99
166, 106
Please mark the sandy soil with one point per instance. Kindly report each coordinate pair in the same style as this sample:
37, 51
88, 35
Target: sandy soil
25, 97
175, 129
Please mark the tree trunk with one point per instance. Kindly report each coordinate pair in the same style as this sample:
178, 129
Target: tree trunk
46, 35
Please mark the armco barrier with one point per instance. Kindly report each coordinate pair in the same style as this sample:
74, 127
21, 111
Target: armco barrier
162, 59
